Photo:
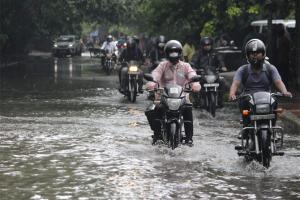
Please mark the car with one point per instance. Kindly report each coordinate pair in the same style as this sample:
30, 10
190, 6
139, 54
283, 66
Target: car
67, 45
262, 25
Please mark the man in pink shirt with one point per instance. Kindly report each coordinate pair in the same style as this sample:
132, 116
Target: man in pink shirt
172, 71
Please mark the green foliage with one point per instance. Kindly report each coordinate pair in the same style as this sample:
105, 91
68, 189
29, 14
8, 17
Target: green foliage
36, 20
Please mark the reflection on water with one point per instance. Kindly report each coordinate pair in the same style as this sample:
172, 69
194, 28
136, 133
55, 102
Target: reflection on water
66, 133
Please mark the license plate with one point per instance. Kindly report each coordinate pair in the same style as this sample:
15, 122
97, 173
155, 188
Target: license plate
131, 72
260, 117
211, 84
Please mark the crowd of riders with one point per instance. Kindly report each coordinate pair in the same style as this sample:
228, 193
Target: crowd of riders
171, 62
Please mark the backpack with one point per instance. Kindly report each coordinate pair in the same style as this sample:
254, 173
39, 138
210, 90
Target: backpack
268, 73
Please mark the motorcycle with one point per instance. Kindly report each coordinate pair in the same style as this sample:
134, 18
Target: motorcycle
134, 71
173, 100
261, 138
109, 61
210, 85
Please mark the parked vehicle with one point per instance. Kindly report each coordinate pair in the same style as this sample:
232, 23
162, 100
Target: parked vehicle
262, 25
67, 45
208, 96
261, 139
173, 100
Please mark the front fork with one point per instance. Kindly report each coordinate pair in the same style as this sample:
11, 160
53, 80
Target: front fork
273, 130
208, 92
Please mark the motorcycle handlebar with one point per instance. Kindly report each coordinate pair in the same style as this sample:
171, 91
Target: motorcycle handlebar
277, 94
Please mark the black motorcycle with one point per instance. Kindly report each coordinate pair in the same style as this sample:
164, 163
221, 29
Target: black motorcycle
109, 61
173, 100
132, 80
260, 138
208, 96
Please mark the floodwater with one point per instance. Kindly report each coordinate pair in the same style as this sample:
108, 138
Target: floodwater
67, 133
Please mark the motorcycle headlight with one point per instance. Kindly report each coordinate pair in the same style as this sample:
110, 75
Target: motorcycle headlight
262, 108
210, 78
55, 45
173, 104
133, 69
70, 45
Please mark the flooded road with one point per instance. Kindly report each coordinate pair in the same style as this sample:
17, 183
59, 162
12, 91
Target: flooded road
67, 133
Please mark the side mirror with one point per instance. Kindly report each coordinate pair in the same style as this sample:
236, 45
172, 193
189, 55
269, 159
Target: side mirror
195, 78
148, 77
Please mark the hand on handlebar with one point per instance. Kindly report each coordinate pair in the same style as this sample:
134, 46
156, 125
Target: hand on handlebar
287, 94
196, 87
232, 97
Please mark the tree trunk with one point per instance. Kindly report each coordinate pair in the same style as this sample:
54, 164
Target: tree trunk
298, 42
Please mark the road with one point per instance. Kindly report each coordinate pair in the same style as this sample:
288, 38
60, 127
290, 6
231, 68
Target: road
67, 133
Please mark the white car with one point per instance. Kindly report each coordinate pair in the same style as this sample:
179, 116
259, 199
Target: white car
262, 25
67, 45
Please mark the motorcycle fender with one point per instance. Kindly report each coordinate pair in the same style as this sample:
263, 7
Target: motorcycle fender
169, 121
263, 127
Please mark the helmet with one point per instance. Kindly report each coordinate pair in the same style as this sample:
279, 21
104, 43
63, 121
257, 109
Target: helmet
173, 50
136, 39
109, 38
255, 45
161, 42
206, 43
131, 42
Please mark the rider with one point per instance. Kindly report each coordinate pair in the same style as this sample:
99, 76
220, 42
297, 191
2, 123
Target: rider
188, 49
158, 53
173, 70
258, 75
131, 53
207, 59
109, 46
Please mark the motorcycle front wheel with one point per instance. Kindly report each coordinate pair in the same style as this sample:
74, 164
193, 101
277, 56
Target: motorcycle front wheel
265, 148
212, 103
132, 89
173, 136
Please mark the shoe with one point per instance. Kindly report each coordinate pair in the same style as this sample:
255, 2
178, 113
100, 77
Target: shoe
189, 142
221, 105
155, 138
140, 90
121, 90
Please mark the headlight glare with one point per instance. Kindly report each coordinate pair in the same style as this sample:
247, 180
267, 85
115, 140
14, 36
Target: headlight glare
133, 68
173, 104
262, 108
210, 78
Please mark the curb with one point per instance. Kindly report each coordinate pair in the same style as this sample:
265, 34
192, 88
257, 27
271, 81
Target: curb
291, 122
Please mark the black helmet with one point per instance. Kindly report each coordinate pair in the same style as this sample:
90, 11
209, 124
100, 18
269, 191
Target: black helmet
109, 38
161, 42
173, 50
255, 45
206, 41
136, 39
131, 42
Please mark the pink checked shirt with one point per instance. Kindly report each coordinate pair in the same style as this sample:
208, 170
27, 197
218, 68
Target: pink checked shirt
167, 73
